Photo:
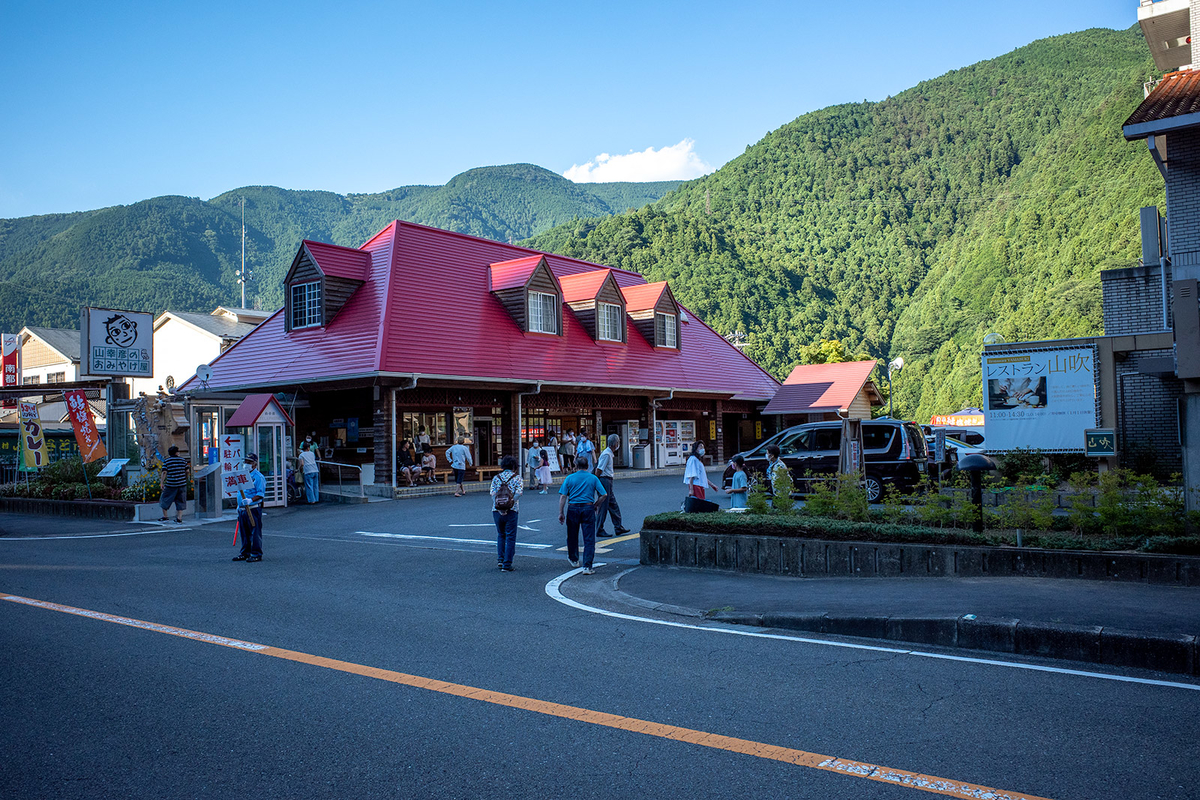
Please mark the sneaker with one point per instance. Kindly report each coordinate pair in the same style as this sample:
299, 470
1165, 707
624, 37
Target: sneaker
589, 571
622, 531
252, 559
239, 558
506, 569
574, 562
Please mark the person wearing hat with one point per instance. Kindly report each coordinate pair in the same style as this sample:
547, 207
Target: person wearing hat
250, 513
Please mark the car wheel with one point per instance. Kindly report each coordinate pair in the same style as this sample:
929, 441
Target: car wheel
874, 489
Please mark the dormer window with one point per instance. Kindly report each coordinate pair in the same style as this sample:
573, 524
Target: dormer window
529, 292
321, 281
306, 305
543, 313
612, 322
666, 330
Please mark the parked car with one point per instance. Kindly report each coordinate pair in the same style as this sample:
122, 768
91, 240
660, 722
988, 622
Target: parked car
894, 452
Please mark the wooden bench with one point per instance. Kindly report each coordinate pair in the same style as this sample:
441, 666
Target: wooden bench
486, 473
444, 474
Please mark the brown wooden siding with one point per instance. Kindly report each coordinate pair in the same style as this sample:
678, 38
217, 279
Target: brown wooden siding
666, 305
334, 294
542, 280
611, 293
585, 312
513, 301
644, 322
303, 270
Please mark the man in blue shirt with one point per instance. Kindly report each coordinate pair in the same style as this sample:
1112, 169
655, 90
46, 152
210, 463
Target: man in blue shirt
250, 513
578, 498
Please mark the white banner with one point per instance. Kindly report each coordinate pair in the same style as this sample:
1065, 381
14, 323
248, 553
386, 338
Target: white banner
1042, 400
114, 342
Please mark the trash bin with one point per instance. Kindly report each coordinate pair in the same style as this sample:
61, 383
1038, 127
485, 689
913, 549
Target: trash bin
208, 492
640, 457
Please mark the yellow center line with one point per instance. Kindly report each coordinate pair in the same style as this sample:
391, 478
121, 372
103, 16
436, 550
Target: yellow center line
619, 539
850, 768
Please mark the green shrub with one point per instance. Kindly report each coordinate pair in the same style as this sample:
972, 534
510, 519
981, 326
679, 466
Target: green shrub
758, 502
851, 498
782, 489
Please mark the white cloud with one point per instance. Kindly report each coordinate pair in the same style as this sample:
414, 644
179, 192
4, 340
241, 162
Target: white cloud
676, 162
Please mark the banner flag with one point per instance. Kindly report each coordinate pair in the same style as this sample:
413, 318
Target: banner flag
33, 440
90, 445
9, 355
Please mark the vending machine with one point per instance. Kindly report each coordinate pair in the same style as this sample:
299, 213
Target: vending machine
627, 430
671, 451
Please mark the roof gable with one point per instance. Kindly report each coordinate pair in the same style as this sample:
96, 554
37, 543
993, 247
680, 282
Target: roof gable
585, 285
252, 408
516, 273
64, 341
339, 262
644, 297
817, 388
1172, 105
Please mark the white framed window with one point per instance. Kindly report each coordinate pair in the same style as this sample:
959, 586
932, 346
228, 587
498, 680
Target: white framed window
543, 313
666, 330
611, 322
56, 377
306, 304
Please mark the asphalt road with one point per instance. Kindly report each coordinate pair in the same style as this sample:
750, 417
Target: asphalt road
398, 667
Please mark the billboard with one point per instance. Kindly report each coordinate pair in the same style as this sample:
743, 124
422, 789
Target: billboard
116, 342
1039, 399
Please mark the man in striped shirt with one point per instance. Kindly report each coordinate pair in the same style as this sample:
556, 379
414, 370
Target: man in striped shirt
173, 478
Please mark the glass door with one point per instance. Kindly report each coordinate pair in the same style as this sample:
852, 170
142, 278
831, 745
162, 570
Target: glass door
269, 438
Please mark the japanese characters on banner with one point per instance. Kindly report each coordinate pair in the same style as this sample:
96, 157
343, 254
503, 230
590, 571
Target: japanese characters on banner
32, 440
90, 445
9, 353
1043, 400
235, 473
117, 342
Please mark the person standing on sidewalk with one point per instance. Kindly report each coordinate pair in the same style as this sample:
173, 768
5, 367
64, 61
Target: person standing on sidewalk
533, 460
459, 457
567, 451
544, 477
609, 506
739, 488
694, 475
776, 469
578, 498
312, 472
586, 449
505, 505
173, 481
250, 513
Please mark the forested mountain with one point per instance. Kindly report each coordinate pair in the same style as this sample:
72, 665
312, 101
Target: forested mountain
182, 253
987, 199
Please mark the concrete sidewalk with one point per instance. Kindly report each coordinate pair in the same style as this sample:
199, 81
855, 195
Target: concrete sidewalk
1125, 624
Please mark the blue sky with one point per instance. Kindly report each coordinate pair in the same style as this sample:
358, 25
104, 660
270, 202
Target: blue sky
111, 103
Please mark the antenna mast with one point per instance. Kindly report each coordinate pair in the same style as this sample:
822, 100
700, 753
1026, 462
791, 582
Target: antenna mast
242, 276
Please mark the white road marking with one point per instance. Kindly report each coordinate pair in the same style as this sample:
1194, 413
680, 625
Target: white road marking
447, 539
598, 549
552, 589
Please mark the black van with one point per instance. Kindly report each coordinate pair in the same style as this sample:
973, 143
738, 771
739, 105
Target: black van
895, 454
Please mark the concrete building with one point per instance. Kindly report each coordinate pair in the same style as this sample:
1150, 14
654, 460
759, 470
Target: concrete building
1168, 120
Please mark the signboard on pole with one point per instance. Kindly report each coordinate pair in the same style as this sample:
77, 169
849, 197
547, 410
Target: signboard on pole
1039, 399
1100, 442
90, 445
114, 342
33, 440
235, 474
9, 355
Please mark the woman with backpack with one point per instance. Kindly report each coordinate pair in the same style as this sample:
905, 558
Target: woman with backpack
506, 492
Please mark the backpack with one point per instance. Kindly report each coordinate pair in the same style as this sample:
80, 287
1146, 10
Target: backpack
506, 498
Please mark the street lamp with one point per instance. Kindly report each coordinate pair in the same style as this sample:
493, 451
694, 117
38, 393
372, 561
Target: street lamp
895, 365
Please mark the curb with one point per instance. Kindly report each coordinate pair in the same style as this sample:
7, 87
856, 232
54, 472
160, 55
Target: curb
1179, 653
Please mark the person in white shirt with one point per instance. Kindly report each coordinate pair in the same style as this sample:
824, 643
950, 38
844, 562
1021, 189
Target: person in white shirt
312, 472
694, 476
609, 506
459, 457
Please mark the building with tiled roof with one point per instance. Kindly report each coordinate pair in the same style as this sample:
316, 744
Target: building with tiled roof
464, 336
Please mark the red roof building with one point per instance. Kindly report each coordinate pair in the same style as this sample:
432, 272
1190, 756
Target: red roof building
422, 327
825, 391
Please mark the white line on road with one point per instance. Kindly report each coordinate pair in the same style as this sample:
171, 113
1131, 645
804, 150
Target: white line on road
552, 589
447, 539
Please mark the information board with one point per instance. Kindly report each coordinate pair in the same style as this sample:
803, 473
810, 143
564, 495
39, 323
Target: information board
114, 342
1039, 399
235, 473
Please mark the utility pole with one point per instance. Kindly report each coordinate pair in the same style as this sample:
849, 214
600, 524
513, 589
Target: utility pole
242, 276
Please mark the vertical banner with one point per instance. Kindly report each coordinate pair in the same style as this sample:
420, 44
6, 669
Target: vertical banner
90, 445
33, 440
9, 353
1040, 400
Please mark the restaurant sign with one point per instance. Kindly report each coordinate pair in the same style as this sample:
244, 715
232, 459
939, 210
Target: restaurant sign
1039, 399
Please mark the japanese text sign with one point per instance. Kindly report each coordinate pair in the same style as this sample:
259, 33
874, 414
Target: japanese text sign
9, 355
33, 440
234, 472
1100, 442
117, 342
1042, 400
90, 445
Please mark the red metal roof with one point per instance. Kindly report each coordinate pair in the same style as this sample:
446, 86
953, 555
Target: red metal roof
251, 409
340, 262
435, 285
1177, 95
584, 286
514, 273
644, 296
817, 388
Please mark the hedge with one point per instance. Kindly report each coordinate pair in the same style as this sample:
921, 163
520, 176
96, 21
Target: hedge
806, 527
